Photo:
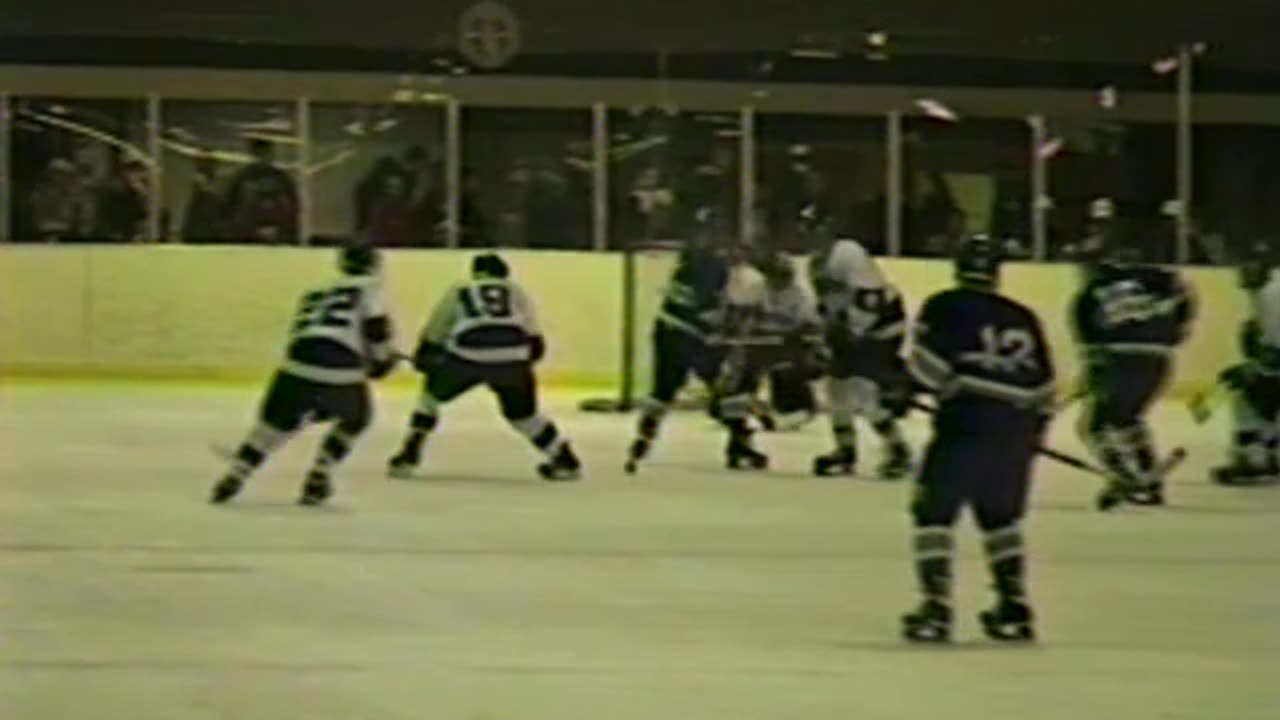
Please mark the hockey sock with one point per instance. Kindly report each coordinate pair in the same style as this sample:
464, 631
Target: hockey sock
933, 547
423, 421
842, 430
261, 442
335, 446
888, 429
542, 433
1004, 553
1110, 448
651, 420
1137, 440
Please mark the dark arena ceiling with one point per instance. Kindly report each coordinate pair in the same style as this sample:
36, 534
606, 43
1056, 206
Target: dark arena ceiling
1240, 35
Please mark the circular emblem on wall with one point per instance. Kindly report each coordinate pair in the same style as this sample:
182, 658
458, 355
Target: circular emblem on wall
488, 34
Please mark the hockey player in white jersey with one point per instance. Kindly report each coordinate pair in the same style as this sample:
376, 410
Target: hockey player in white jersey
743, 308
790, 329
865, 325
1254, 383
485, 332
340, 337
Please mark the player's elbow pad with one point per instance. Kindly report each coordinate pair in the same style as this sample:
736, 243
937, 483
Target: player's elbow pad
377, 330
537, 348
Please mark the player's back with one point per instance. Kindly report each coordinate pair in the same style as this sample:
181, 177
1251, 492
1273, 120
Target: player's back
333, 328
1139, 309
985, 356
490, 321
694, 291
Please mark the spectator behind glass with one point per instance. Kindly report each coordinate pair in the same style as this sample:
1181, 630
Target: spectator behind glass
62, 207
203, 221
372, 187
262, 200
390, 214
122, 204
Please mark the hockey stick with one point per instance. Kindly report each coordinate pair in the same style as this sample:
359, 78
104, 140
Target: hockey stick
1163, 468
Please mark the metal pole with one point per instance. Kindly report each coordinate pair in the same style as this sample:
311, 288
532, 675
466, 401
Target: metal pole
600, 176
747, 174
303, 174
155, 170
1039, 188
893, 182
6, 177
453, 172
1184, 151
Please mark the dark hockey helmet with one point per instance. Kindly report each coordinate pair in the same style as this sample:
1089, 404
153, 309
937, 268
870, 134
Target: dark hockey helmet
978, 262
1255, 269
775, 266
489, 266
359, 260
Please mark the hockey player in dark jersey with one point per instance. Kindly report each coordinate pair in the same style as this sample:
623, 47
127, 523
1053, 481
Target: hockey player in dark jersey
485, 332
1128, 320
985, 359
686, 320
1254, 383
339, 339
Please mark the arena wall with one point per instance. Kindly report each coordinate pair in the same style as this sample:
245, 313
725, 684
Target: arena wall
221, 312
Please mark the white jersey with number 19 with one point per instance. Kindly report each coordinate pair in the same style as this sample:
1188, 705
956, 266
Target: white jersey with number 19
338, 330
488, 321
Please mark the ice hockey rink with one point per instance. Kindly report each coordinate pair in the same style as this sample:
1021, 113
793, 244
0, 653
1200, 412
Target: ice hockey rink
482, 593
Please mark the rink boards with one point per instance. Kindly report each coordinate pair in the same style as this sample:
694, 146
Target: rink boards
145, 312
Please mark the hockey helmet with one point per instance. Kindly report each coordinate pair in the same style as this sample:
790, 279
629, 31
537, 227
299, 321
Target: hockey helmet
489, 266
978, 262
359, 260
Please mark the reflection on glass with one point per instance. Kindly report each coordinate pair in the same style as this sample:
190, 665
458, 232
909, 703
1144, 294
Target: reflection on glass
230, 171
665, 167
966, 177
80, 170
831, 167
377, 171
1133, 165
1237, 191
526, 178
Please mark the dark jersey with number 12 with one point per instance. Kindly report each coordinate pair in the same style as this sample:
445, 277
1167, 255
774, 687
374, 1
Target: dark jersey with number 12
985, 357
488, 321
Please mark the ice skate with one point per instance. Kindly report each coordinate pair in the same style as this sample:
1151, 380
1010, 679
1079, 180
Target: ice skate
564, 466
403, 464
1240, 474
227, 488
316, 490
930, 623
1009, 621
897, 462
740, 455
841, 461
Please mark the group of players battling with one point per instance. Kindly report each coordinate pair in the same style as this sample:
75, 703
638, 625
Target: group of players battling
735, 316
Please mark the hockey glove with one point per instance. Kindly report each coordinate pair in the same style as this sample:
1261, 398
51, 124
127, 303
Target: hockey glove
537, 348
1237, 377
379, 369
428, 357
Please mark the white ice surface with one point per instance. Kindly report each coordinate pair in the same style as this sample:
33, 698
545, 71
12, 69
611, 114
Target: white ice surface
484, 594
